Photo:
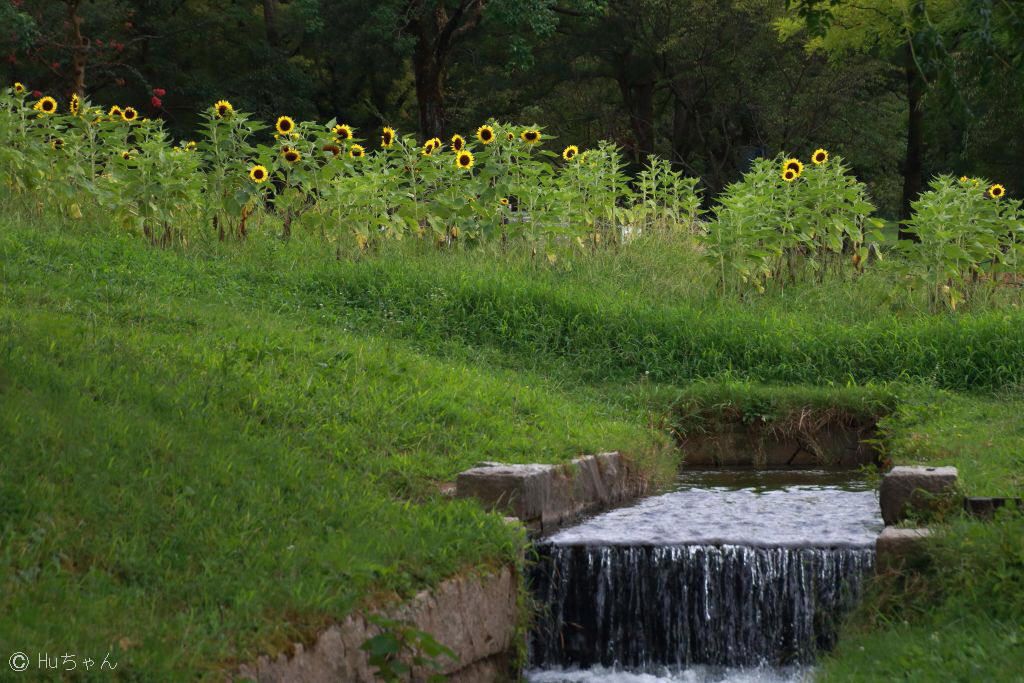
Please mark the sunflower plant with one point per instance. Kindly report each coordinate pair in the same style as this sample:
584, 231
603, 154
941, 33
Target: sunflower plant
785, 218
967, 237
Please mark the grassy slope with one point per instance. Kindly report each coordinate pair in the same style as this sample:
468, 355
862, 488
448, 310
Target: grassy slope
250, 436
187, 464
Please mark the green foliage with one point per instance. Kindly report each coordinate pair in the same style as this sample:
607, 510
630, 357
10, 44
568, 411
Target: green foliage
400, 647
767, 227
957, 617
964, 240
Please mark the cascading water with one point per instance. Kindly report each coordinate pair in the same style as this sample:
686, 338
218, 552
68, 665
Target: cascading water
716, 576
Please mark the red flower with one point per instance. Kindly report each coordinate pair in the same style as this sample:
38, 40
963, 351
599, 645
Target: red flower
159, 92
55, 65
37, 94
156, 102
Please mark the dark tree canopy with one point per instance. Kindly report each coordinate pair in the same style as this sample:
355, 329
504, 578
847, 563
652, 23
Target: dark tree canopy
901, 89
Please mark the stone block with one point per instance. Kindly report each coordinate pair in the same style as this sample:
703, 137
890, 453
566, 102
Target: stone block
985, 508
550, 495
518, 490
897, 548
914, 490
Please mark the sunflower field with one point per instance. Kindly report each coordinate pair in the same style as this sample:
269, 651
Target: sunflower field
783, 220
497, 183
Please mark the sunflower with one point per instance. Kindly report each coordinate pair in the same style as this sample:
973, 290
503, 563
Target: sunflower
292, 156
570, 152
794, 165
223, 109
996, 191
19, 88
387, 137
964, 179
129, 114
57, 143
464, 160
75, 105
819, 157
284, 125
485, 134
343, 131
503, 201
430, 146
510, 136
531, 136
258, 174
46, 105
127, 154
458, 142
356, 152
789, 175
333, 149
191, 146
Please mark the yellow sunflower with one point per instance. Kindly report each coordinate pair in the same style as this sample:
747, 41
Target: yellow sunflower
570, 152
819, 157
464, 159
75, 105
510, 136
115, 112
191, 145
129, 114
794, 165
458, 142
430, 146
46, 105
223, 109
387, 137
996, 191
57, 143
356, 152
343, 131
531, 136
503, 201
259, 174
128, 154
284, 125
789, 175
333, 149
964, 179
485, 134
19, 88
292, 156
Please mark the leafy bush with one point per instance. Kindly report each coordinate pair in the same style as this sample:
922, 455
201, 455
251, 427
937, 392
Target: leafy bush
966, 237
782, 218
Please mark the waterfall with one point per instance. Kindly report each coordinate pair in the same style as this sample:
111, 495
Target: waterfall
645, 606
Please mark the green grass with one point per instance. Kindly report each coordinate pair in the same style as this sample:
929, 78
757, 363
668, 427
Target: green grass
958, 617
210, 452
204, 480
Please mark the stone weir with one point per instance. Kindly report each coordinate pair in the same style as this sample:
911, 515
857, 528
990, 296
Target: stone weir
742, 573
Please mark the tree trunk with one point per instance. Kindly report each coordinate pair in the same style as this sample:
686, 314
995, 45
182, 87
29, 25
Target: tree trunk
270, 23
78, 50
913, 164
436, 31
429, 74
639, 100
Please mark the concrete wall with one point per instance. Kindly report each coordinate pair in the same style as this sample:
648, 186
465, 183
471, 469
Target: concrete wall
475, 616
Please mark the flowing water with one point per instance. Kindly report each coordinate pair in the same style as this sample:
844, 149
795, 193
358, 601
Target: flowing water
732, 576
